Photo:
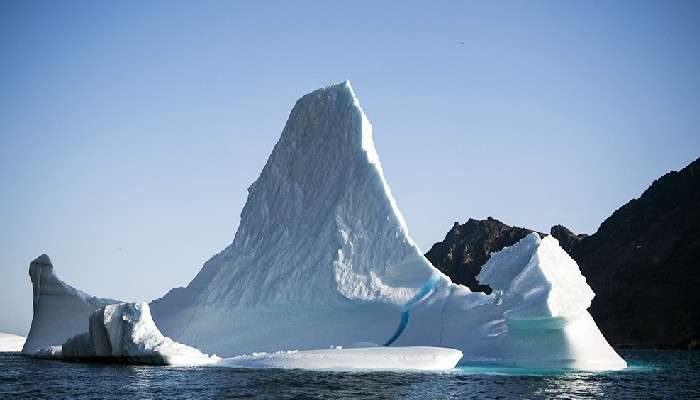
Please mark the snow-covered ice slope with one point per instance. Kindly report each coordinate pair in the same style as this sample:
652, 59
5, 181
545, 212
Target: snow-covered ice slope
125, 332
321, 249
387, 358
60, 311
322, 257
10, 342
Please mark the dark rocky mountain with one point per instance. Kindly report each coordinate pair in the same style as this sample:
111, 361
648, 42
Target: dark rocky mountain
468, 246
567, 239
643, 263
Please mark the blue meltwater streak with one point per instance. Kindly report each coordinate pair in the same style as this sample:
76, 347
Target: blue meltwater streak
405, 314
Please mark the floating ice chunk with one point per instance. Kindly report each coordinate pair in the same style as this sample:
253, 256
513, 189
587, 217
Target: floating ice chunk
9, 342
126, 333
387, 358
60, 310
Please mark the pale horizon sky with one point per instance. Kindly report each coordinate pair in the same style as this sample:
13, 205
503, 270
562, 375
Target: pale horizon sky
129, 132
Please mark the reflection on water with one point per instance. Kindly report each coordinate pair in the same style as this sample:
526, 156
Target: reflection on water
142, 378
662, 374
582, 386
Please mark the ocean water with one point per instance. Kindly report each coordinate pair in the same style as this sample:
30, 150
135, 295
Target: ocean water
652, 375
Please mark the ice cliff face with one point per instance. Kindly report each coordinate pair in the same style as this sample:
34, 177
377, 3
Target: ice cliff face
322, 257
125, 332
60, 310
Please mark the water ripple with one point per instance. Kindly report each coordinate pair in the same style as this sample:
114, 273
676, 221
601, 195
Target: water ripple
651, 375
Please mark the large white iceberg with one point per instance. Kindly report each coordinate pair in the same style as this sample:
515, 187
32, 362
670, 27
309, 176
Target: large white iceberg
322, 257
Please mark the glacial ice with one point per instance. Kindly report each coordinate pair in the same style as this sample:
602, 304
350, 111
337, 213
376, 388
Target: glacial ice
10, 342
322, 257
420, 358
321, 245
125, 332
536, 316
60, 310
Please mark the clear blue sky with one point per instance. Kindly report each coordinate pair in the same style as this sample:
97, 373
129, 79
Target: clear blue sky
129, 132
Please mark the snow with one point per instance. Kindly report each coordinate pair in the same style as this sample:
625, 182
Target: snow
421, 358
126, 332
10, 342
322, 257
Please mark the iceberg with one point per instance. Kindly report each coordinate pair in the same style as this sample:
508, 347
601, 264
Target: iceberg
60, 310
323, 257
126, 333
11, 343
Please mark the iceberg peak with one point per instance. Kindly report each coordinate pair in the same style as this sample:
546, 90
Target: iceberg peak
59, 310
320, 230
42, 260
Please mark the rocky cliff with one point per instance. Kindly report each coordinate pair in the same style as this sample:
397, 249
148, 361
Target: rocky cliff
644, 265
643, 262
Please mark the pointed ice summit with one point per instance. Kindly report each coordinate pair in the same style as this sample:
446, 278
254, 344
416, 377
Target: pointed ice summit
322, 257
321, 244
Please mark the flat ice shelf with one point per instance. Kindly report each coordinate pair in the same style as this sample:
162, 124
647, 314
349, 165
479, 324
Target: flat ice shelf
424, 358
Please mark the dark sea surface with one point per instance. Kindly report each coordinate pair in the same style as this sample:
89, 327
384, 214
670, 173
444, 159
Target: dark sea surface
651, 375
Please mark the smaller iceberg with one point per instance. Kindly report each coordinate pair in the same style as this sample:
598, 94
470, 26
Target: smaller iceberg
538, 283
60, 310
421, 358
126, 333
11, 343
